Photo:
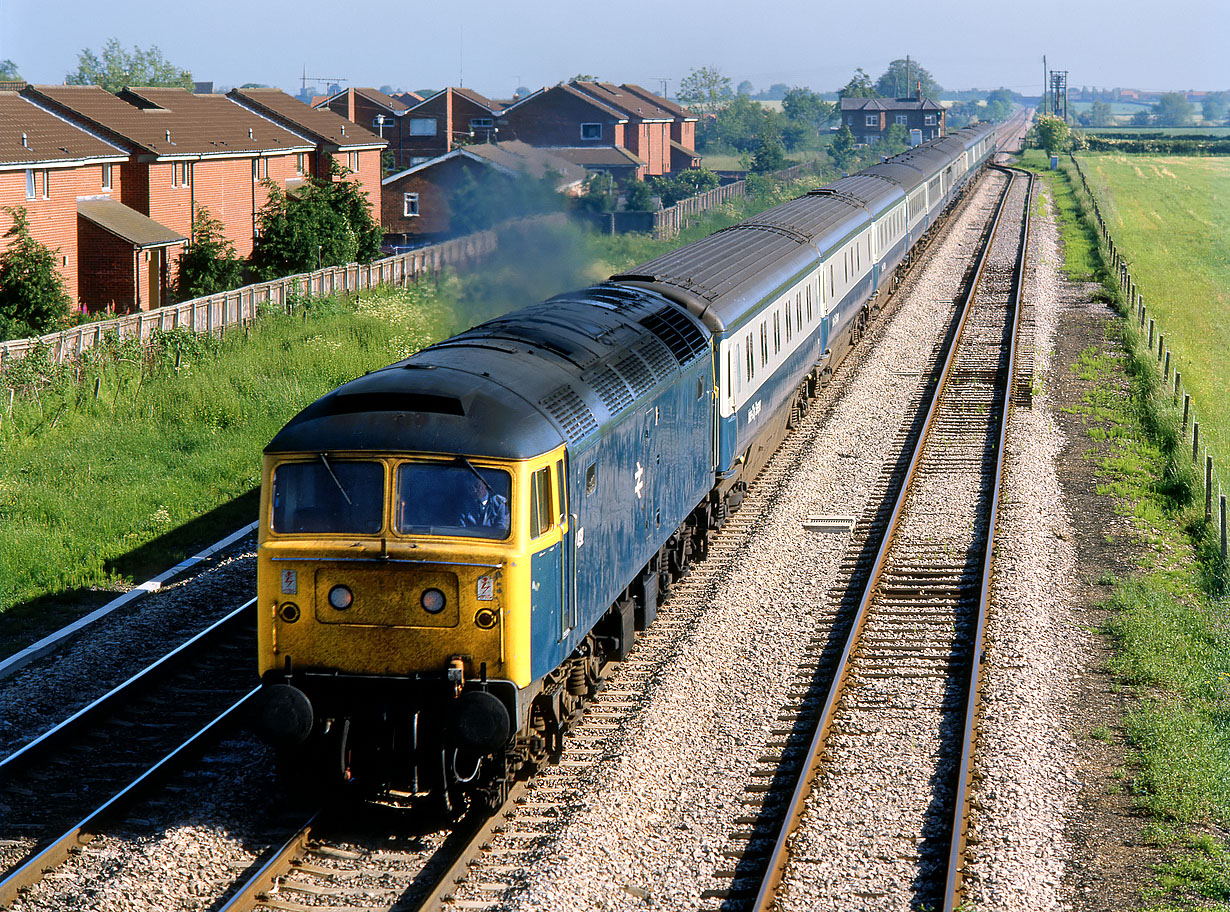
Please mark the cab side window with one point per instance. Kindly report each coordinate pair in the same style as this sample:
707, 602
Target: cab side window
541, 514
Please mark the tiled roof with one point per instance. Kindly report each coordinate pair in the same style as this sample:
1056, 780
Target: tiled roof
582, 96
321, 124
139, 230
171, 122
623, 101
889, 104
598, 156
664, 103
48, 137
519, 156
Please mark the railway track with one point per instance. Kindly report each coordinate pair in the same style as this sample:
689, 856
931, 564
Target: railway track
59, 789
883, 724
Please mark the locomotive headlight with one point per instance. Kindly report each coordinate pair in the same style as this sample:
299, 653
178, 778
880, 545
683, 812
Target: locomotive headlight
433, 601
341, 598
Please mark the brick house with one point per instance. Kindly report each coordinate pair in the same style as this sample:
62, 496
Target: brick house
624, 130
682, 128
418, 202
353, 147
46, 166
185, 152
368, 108
869, 118
437, 125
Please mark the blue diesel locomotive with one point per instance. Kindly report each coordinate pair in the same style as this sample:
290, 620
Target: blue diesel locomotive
452, 547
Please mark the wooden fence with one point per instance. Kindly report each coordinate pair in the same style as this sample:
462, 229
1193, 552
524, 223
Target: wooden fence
214, 313
1167, 366
667, 223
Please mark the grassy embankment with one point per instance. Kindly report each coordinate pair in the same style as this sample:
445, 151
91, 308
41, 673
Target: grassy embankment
1169, 624
98, 491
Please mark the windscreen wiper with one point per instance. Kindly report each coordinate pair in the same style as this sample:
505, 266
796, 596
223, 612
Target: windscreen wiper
329, 469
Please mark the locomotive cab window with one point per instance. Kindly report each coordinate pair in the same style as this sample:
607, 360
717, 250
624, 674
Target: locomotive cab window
328, 496
452, 498
541, 515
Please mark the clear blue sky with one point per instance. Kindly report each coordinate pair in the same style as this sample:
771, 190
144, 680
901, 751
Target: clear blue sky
495, 47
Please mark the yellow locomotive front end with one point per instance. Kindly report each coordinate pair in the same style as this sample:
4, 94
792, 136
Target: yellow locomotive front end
394, 599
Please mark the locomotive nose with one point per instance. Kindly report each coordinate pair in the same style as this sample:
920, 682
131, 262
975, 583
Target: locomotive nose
284, 715
481, 724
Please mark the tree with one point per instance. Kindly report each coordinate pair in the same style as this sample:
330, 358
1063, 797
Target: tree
1142, 118
326, 223
746, 88
598, 195
1172, 110
638, 197
775, 92
584, 77
842, 149
704, 90
1101, 114
209, 263
1214, 108
8, 70
999, 106
32, 296
119, 68
742, 123
859, 86
1053, 133
806, 106
894, 140
683, 184
900, 80
768, 155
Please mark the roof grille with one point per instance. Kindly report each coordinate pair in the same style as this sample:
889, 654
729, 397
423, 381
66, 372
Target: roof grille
678, 332
570, 410
637, 375
659, 358
612, 389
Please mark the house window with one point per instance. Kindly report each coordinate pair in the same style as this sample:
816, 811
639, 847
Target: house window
871, 120
410, 205
903, 119
30, 194
481, 123
591, 131
418, 160
422, 126
300, 162
106, 177
929, 120
46, 185
354, 162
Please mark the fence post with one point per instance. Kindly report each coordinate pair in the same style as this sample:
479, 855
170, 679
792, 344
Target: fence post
1177, 375
1187, 404
1222, 503
1143, 310
1195, 439
1150, 334
1166, 368
1208, 486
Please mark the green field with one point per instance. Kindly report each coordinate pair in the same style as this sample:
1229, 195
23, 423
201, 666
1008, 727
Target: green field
1168, 217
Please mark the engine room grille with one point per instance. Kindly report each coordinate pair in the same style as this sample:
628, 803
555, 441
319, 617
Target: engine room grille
612, 389
678, 332
570, 410
659, 358
633, 370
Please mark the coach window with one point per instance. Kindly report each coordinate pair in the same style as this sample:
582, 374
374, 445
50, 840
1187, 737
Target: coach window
751, 358
777, 332
789, 323
764, 343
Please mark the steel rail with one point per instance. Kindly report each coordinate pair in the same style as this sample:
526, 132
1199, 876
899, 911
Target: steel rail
32, 869
766, 897
113, 697
953, 894
264, 880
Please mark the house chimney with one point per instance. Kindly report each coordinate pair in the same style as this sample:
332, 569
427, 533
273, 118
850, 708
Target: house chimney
920, 90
